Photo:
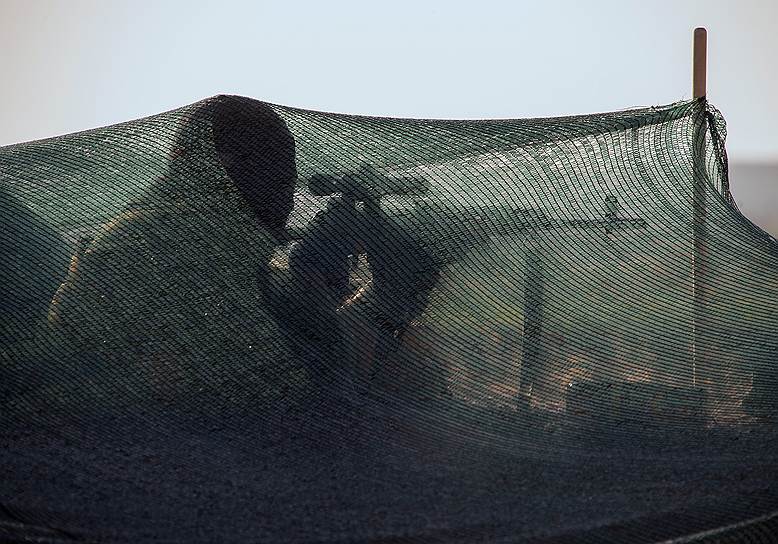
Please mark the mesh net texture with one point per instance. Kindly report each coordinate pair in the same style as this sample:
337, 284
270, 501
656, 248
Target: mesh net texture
243, 322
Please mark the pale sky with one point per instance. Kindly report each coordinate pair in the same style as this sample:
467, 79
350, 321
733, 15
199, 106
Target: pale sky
71, 65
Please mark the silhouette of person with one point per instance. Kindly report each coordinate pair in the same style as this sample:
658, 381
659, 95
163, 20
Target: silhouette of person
321, 259
403, 273
319, 266
169, 288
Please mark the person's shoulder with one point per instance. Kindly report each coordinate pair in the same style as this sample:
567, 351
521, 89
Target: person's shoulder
116, 232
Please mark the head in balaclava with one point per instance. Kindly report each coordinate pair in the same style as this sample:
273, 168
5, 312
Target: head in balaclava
232, 146
257, 152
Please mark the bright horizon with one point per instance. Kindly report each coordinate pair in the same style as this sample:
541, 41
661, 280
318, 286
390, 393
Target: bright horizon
85, 63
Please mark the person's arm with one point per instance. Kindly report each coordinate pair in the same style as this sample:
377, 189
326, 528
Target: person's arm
404, 273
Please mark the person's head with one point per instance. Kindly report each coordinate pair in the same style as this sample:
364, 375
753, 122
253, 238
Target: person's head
257, 151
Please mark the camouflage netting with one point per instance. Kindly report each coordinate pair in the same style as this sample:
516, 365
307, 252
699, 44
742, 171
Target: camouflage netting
242, 322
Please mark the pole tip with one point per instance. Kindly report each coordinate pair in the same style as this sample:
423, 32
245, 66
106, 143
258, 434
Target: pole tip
700, 61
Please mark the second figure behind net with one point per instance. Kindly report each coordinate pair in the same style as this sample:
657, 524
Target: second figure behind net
349, 338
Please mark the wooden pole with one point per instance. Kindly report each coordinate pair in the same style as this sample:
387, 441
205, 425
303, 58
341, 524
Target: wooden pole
700, 62
699, 220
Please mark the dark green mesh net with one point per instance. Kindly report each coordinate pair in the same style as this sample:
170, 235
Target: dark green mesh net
241, 322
